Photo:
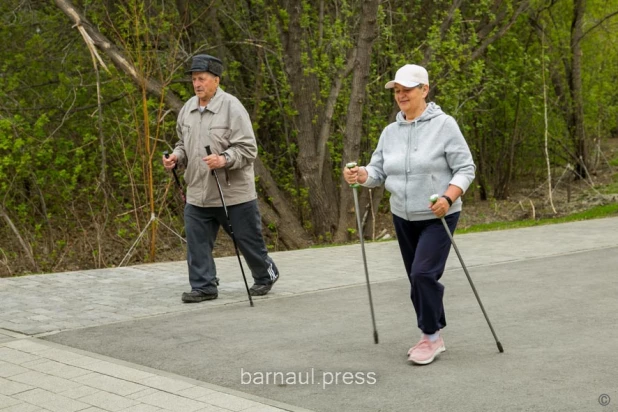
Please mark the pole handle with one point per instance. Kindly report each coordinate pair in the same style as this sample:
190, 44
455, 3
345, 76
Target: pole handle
209, 152
167, 156
350, 165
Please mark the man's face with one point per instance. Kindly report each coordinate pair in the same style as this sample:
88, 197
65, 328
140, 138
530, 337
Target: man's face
204, 85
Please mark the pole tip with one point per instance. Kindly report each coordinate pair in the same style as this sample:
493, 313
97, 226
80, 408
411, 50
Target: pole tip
375, 337
500, 347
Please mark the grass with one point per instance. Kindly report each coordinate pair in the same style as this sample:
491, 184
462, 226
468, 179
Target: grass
596, 212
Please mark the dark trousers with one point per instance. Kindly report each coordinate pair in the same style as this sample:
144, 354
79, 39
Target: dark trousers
425, 246
201, 227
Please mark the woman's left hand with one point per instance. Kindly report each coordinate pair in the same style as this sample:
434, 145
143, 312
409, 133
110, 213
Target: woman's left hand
440, 207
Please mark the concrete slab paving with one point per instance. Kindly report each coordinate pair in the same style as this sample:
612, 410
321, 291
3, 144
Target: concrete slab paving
36, 375
316, 350
120, 339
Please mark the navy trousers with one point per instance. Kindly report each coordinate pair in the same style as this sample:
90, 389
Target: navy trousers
425, 246
201, 227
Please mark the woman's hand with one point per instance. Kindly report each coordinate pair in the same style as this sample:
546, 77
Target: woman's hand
439, 207
355, 174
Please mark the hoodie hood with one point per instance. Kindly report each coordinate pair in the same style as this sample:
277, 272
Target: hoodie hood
432, 110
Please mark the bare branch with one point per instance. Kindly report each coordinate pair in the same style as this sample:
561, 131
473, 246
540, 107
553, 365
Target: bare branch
25, 246
116, 55
330, 109
609, 16
488, 41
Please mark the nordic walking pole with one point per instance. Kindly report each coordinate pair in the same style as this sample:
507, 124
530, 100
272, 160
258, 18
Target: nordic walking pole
354, 187
434, 199
229, 223
182, 194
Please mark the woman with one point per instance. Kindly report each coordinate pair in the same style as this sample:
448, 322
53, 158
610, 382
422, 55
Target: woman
423, 152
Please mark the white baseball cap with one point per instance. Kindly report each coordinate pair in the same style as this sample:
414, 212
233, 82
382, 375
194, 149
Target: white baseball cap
409, 75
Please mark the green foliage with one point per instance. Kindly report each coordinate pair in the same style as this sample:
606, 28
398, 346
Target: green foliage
71, 173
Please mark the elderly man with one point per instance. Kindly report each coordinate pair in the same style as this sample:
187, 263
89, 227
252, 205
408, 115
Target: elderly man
217, 119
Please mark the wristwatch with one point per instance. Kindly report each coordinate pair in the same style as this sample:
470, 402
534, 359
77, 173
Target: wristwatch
448, 199
227, 157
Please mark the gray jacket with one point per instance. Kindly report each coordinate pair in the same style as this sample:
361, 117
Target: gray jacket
225, 126
417, 159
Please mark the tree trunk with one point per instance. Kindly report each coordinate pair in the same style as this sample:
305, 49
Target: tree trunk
278, 212
354, 121
577, 130
306, 88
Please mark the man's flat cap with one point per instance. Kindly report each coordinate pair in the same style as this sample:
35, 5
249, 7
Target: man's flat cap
206, 63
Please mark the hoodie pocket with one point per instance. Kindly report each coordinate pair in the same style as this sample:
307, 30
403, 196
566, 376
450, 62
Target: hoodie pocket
419, 189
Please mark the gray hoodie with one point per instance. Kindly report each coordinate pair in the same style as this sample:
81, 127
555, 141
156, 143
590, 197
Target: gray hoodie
417, 159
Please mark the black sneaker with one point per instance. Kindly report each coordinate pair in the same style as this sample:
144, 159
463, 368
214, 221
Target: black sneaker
261, 290
198, 296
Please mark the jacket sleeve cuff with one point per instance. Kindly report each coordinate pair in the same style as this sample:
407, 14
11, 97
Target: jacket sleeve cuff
370, 182
228, 159
180, 156
461, 182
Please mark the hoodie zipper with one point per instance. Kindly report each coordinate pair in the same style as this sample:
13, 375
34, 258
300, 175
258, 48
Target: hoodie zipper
412, 146
407, 168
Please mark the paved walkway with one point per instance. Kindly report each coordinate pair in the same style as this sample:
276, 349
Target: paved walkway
114, 339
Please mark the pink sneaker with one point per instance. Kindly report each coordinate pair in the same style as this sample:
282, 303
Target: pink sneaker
426, 351
423, 337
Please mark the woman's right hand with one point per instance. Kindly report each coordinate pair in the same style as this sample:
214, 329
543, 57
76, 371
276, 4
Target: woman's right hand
354, 175
350, 175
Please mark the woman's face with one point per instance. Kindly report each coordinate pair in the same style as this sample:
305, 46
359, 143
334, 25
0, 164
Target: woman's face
410, 100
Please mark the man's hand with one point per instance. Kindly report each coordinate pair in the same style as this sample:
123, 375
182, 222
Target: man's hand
215, 161
170, 162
